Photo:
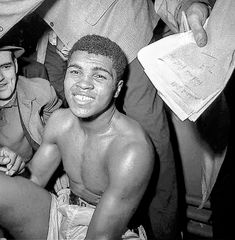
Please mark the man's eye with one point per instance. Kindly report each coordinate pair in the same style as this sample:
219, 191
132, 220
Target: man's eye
100, 77
74, 72
6, 66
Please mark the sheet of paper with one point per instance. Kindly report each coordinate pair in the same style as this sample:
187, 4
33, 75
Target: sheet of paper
188, 77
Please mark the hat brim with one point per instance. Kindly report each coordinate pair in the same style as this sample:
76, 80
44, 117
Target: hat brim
17, 51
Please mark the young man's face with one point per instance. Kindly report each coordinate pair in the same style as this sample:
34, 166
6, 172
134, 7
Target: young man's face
90, 84
8, 69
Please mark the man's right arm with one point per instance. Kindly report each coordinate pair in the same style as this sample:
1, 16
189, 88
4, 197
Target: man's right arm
47, 158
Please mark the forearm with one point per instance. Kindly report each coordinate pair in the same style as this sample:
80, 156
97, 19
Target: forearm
43, 165
36, 178
170, 11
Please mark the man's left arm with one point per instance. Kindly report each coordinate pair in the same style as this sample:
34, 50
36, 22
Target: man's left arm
196, 13
128, 174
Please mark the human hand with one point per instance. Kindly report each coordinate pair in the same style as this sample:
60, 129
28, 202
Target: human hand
10, 162
61, 183
196, 16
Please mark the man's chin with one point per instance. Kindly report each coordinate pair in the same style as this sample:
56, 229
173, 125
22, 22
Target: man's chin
81, 113
5, 94
4, 98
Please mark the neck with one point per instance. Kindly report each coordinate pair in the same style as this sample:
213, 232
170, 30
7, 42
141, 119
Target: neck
101, 124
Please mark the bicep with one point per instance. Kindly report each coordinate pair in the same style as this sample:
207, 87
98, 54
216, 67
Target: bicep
47, 158
44, 163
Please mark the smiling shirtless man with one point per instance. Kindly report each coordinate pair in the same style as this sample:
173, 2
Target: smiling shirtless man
107, 156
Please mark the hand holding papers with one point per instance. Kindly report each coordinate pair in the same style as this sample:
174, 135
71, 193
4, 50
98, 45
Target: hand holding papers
187, 77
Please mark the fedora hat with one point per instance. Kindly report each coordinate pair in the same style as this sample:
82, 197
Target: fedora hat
17, 51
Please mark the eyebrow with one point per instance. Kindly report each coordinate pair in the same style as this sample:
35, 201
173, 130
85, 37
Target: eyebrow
95, 68
102, 69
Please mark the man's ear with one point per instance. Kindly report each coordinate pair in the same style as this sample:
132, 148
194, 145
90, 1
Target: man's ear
119, 87
16, 65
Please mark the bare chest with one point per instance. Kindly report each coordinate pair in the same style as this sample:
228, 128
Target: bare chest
85, 161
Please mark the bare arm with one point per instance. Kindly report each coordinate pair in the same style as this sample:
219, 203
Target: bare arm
47, 158
129, 172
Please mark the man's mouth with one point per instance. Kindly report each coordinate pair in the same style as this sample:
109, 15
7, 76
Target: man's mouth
82, 99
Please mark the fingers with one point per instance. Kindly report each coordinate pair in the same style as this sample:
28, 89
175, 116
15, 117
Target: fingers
4, 160
10, 162
3, 169
15, 167
7, 158
61, 183
64, 181
4, 156
57, 185
197, 14
199, 33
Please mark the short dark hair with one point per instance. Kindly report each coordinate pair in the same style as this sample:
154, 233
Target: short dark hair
96, 44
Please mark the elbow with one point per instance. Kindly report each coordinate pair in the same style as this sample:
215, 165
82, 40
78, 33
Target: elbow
37, 181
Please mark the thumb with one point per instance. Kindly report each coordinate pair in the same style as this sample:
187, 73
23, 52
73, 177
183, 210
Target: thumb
199, 32
197, 14
4, 160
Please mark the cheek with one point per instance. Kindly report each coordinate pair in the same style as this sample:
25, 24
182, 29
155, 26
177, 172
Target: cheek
105, 95
11, 85
67, 85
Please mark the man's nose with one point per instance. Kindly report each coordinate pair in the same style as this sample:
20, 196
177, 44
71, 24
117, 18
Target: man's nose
85, 83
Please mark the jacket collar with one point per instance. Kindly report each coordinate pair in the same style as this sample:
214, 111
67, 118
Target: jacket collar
25, 97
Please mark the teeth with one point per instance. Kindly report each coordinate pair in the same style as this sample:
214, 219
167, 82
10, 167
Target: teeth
83, 98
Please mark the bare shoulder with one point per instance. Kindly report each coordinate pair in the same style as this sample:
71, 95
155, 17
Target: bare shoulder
133, 151
59, 121
133, 132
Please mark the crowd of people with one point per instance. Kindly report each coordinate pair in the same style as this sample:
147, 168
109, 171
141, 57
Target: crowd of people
91, 107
